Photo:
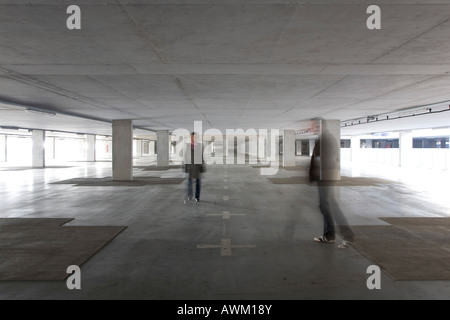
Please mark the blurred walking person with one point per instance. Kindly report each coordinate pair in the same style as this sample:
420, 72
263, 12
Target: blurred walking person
328, 205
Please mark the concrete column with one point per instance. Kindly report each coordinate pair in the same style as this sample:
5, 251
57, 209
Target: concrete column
2, 148
269, 151
145, 147
122, 149
289, 148
252, 148
405, 148
230, 149
162, 154
355, 146
138, 148
240, 151
330, 147
261, 147
151, 147
38, 152
312, 143
90, 152
273, 145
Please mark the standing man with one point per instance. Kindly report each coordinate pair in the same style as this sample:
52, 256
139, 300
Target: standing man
194, 166
329, 208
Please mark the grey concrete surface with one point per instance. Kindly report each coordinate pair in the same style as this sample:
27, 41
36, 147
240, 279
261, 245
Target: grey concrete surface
231, 64
173, 250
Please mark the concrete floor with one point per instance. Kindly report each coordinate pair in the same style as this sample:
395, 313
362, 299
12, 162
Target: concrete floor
165, 252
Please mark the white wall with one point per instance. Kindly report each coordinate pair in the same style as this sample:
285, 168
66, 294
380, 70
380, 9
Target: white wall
346, 154
380, 156
68, 149
103, 149
431, 158
19, 150
420, 158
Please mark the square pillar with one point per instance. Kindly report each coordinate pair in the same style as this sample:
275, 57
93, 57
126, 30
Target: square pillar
138, 147
151, 147
90, 151
312, 143
289, 148
273, 145
122, 159
145, 147
298, 147
38, 151
261, 146
162, 153
269, 152
230, 148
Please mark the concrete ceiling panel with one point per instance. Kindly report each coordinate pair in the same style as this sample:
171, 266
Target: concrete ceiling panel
251, 63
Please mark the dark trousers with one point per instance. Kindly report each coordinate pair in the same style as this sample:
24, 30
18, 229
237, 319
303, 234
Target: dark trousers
331, 214
197, 188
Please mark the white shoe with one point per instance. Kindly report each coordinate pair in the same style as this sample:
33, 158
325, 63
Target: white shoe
323, 239
344, 245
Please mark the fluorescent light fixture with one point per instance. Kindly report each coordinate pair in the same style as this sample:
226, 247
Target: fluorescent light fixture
9, 128
40, 111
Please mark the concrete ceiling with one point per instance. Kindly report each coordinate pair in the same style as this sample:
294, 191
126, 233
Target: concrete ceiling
231, 64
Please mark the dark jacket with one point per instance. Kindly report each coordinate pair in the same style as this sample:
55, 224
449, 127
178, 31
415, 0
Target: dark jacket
328, 142
314, 168
194, 169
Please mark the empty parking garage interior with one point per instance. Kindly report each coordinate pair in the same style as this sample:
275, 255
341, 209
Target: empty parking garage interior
98, 103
